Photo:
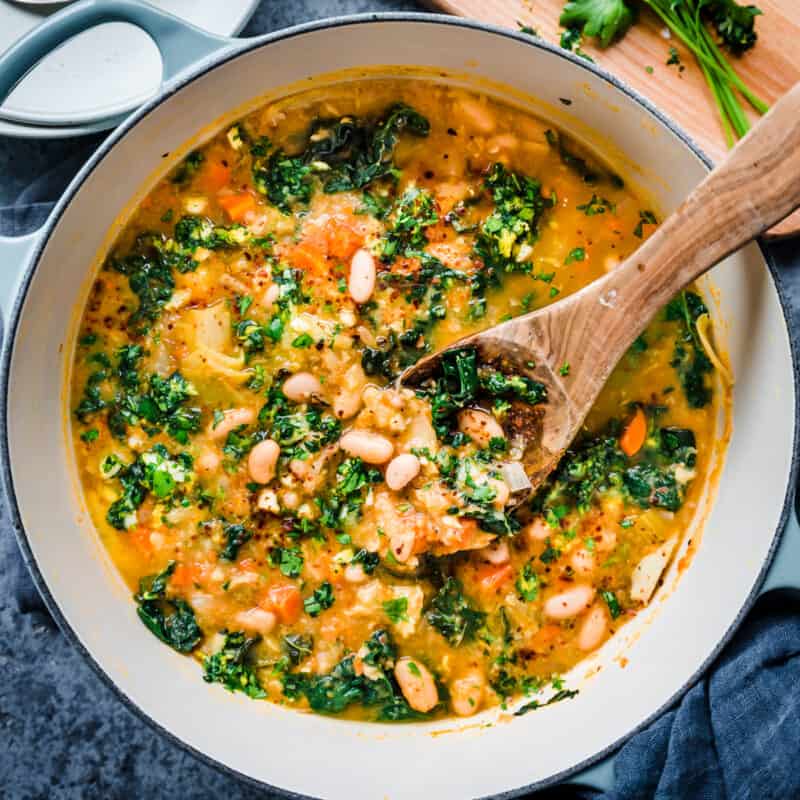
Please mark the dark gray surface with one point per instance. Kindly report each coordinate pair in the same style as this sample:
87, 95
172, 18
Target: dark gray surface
63, 734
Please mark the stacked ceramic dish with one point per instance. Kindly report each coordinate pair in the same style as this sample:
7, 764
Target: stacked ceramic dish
90, 82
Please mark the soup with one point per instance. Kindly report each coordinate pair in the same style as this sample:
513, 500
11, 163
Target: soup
308, 531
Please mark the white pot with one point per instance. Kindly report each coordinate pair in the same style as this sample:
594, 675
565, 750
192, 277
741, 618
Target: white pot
665, 648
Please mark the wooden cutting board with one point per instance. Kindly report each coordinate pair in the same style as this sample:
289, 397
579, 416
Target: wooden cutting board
769, 69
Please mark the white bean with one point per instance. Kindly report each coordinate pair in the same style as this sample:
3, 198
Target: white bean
538, 530
480, 426
256, 619
231, 419
582, 561
361, 283
368, 446
262, 460
477, 115
416, 684
301, 387
593, 629
346, 404
208, 461
401, 471
570, 602
466, 694
270, 295
401, 543
354, 573
496, 553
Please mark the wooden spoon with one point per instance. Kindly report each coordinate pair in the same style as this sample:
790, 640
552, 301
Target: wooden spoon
755, 187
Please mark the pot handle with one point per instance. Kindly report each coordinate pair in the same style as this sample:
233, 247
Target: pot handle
784, 572
599, 776
15, 256
180, 43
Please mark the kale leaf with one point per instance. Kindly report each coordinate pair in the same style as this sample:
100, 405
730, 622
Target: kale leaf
342, 687
505, 238
689, 359
230, 666
341, 506
451, 613
236, 535
156, 472
170, 619
320, 600
344, 154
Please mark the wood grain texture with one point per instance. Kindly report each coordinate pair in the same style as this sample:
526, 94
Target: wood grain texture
757, 185
771, 68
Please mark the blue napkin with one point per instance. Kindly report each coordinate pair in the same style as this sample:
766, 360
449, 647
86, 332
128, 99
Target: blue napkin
734, 735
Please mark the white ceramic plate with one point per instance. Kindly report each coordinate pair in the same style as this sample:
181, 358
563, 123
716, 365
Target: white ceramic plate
99, 74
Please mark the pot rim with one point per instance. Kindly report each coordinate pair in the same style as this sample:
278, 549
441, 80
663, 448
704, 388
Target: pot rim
217, 60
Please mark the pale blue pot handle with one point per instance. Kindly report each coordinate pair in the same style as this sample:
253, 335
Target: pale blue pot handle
180, 43
15, 256
784, 573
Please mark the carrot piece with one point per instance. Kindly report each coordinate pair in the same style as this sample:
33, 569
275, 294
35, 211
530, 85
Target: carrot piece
140, 539
545, 638
493, 576
184, 576
308, 258
284, 600
343, 241
237, 205
214, 177
634, 434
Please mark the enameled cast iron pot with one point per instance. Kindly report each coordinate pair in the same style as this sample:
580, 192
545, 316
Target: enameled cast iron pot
45, 277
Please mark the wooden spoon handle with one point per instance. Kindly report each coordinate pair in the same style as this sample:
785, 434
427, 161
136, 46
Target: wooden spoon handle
755, 187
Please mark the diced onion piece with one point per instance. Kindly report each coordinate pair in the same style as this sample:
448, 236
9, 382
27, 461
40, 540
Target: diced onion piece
515, 477
647, 572
704, 333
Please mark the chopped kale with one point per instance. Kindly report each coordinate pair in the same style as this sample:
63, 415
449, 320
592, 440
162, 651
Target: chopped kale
298, 647
187, 169
231, 666
235, 536
367, 559
527, 583
289, 560
689, 359
650, 486
170, 619
412, 214
344, 154
396, 609
505, 239
596, 205
613, 604
321, 599
154, 471
451, 613
192, 232
645, 218
341, 506
357, 152
342, 687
